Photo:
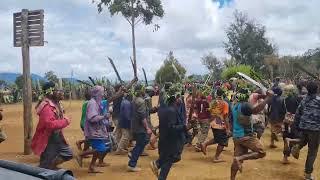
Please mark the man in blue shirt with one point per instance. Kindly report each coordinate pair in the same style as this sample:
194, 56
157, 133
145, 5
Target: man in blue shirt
124, 124
244, 137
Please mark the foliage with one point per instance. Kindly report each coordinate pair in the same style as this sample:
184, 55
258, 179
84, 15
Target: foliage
3, 83
246, 42
245, 69
143, 10
19, 82
50, 76
167, 73
229, 62
313, 55
135, 12
195, 78
213, 64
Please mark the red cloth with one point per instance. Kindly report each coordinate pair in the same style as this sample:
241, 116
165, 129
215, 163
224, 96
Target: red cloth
49, 121
209, 98
202, 106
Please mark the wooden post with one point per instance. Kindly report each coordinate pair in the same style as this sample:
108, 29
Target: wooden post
27, 31
27, 94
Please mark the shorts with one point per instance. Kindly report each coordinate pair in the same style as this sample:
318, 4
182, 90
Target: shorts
259, 128
276, 127
55, 149
242, 145
220, 137
100, 145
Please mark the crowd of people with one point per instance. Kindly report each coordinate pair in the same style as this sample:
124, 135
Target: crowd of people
234, 109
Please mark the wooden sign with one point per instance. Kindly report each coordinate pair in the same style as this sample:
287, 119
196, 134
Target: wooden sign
32, 26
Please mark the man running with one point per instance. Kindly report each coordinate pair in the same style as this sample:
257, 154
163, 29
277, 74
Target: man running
243, 134
203, 118
307, 120
139, 127
219, 110
277, 112
48, 141
124, 124
95, 129
172, 136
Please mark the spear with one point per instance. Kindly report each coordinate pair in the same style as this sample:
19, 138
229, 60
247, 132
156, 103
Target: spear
115, 70
93, 82
145, 76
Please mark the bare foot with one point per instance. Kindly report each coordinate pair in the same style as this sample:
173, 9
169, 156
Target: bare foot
285, 161
203, 149
86, 157
78, 145
79, 160
103, 164
215, 160
239, 164
94, 171
197, 148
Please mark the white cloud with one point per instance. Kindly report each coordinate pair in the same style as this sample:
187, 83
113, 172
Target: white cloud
80, 39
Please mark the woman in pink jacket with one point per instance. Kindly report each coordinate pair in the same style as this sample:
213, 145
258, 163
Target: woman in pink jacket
48, 141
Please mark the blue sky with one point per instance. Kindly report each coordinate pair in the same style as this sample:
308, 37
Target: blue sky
80, 39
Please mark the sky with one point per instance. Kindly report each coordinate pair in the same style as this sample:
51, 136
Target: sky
80, 39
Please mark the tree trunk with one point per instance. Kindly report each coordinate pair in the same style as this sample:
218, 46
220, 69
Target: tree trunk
133, 41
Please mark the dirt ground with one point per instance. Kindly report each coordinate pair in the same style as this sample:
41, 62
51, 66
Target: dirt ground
194, 166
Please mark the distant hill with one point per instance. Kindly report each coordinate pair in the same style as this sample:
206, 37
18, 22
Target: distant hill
11, 77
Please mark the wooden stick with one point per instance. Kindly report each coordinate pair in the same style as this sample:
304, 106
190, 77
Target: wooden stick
115, 70
145, 76
93, 82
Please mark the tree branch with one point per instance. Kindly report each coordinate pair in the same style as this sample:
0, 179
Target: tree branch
139, 21
128, 21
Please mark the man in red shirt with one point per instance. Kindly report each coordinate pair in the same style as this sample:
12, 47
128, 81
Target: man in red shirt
48, 141
202, 107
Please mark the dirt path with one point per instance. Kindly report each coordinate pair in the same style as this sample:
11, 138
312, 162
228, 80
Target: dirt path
194, 166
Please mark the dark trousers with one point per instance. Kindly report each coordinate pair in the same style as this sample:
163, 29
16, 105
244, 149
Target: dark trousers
142, 139
164, 167
312, 138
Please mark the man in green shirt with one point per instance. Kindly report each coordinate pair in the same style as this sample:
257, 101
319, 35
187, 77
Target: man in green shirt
82, 123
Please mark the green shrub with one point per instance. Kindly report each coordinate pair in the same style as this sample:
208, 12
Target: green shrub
245, 69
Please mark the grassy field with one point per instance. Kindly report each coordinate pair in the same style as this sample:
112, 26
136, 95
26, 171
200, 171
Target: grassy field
194, 166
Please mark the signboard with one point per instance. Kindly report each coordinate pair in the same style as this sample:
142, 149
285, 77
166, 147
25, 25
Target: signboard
33, 27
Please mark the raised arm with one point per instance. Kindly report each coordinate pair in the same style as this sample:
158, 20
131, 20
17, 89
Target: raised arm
131, 83
259, 107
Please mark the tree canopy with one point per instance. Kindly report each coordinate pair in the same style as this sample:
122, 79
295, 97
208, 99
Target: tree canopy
171, 70
19, 82
135, 12
245, 69
51, 76
141, 10
213, 64
246, 41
